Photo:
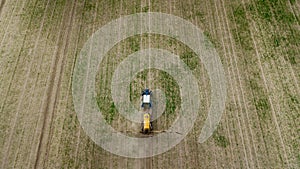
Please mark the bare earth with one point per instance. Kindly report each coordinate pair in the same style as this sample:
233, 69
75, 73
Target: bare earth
258, 43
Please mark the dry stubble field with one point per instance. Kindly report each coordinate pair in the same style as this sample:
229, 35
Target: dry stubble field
258, 42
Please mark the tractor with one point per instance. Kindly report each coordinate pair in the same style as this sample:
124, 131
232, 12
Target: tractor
146, 106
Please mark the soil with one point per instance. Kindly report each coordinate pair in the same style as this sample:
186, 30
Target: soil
258, 44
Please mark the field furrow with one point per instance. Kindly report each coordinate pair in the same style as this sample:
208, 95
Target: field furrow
257, 41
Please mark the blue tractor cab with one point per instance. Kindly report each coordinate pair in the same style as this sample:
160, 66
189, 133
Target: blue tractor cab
146, 97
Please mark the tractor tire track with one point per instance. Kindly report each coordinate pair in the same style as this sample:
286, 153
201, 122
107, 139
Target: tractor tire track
81, 29
52, 91
240, 84
261, 72
91, 30
6, 24
73, 66
5, 155
46, 96
262, 133
121, 161
231, 80
295, 14
191, 154
184, 151
4, 90
17, 60
243, 95
282, 52
69, 28
159, 161
78, 134
2, 5
213, 31
149, 161
182, 146
211, 150
274, 116
235, 101
257, 51
190, 150
10, 20
8, 145
40, 65
178, 148
239, 87
232, 157
280, 74
41, 61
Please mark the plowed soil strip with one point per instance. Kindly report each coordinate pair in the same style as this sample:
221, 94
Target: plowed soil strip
10, 20
177, 148
39, 81
210, 149
265, 84
5, 153
74, 62
17, 61
42, 59
280, 74
236, 100
283, 62
232, 80
191, 150
239, 86
62, 70
182, 145
24, 89
261, 137
53, 89
1, 6
232, 46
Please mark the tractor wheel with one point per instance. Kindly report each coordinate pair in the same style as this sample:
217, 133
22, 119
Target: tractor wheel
142, 128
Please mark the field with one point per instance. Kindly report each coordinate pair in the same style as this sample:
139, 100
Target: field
258, 42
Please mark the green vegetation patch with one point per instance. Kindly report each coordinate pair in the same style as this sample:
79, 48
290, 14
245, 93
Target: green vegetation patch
276, 15
242, 33
34, 13
293, 102
145, 9
260, 99
262, 106
190, 59
269, 9
220, 140
134, 45
107, 108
